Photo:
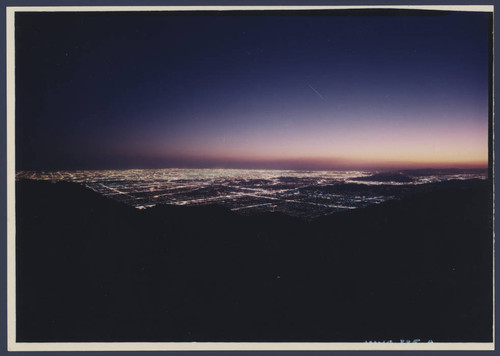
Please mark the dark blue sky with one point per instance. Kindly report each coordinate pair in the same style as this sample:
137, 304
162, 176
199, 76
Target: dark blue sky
340, 90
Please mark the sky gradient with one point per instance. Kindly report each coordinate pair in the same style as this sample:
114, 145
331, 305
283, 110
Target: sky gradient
340, 90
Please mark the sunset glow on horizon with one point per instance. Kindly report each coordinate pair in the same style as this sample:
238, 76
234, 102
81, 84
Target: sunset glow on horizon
401, 90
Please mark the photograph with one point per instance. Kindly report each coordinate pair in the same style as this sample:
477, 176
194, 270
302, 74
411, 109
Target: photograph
250, 178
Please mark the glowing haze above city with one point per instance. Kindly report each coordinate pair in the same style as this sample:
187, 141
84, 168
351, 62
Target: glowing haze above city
334, 91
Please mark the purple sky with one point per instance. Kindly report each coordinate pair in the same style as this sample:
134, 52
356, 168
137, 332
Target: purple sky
306, 92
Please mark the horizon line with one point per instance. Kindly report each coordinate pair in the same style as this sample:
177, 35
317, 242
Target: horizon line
258, 169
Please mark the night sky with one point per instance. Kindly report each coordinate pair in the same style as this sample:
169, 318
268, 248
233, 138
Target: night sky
339, 90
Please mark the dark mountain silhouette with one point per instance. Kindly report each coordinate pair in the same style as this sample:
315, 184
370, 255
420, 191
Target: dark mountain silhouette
416, 172
397, 191
386, 177
92, 269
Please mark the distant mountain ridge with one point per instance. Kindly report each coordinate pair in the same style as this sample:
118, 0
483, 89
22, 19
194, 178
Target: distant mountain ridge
92, 269
386, 177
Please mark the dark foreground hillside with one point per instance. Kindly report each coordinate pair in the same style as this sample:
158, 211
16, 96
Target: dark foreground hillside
92, 269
